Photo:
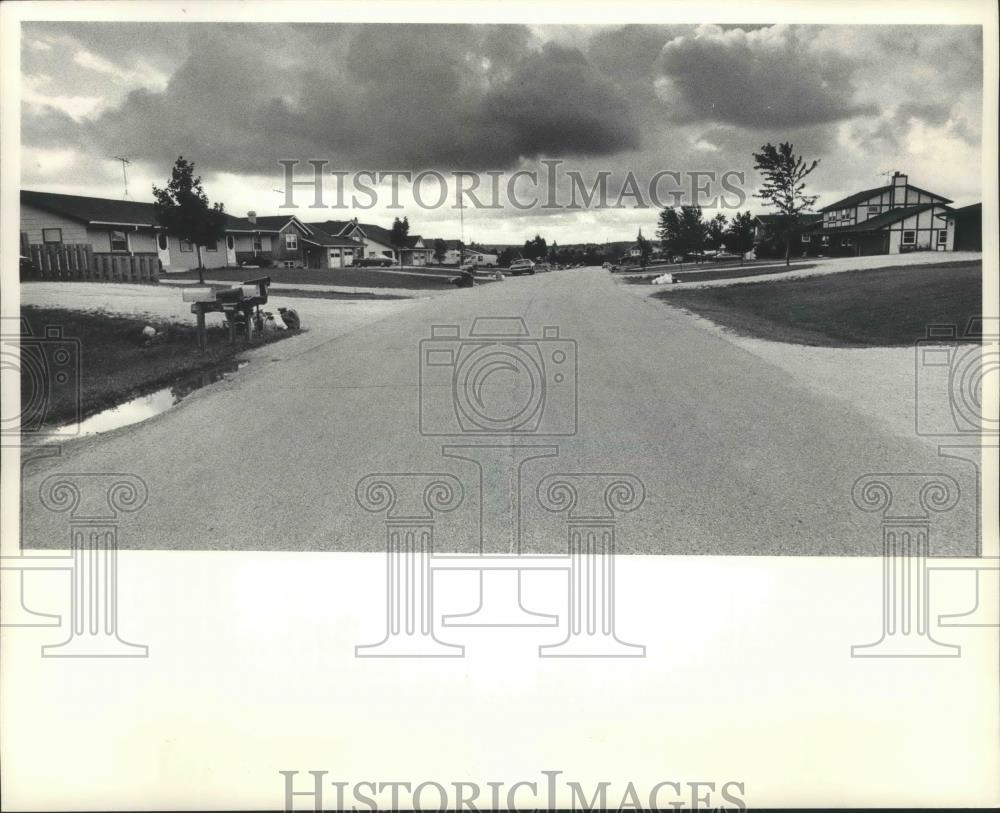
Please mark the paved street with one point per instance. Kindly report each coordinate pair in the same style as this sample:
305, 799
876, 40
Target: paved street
737, 456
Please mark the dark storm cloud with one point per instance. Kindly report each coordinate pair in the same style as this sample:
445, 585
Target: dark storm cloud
763, 78
406, 97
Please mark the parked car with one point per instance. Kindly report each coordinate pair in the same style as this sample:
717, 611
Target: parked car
521, 267
375, 261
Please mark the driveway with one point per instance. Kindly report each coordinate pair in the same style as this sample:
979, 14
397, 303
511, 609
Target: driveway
737, 456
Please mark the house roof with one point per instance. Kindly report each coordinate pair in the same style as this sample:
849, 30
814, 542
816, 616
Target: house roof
880, 221
769, 219
857, 197
972, 210
92, 210
377, 233
321, 237
266, 223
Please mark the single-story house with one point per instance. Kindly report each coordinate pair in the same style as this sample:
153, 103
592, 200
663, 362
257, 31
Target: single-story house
109, 227
965, 228
890, 219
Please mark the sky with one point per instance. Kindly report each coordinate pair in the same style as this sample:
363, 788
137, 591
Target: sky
237, 98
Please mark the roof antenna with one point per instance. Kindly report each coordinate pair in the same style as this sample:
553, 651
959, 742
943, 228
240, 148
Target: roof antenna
125, 163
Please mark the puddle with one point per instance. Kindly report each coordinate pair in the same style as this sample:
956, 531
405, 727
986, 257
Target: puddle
146, 406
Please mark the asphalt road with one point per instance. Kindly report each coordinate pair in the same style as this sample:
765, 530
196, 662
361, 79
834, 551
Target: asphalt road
734, 455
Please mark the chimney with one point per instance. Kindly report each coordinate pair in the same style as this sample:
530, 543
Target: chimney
252, 217
898, 189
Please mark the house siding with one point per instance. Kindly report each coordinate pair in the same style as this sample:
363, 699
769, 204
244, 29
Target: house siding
33, 220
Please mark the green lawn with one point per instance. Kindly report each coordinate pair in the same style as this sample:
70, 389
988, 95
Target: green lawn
115, 366
885, 307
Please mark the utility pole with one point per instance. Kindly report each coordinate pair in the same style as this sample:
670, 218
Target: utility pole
125, 163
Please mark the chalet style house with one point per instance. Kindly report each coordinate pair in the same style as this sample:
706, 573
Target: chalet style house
890, 219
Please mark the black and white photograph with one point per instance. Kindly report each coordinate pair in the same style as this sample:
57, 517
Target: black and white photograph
481, 406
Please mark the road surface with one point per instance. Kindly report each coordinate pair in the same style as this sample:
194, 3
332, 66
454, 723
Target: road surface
735, 456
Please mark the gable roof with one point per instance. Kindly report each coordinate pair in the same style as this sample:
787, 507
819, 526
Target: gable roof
882, 220
267, 223
858, 197
93, 210
377, 233
321, 237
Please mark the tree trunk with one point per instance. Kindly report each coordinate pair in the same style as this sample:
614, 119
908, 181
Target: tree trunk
788, 251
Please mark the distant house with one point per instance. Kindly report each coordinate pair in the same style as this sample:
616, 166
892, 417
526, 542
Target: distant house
452, 251
375, 241
417, 251
769, 237
109, 227
965, 228
890, 219
284, 241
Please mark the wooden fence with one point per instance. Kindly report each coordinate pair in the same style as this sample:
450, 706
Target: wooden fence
81, 262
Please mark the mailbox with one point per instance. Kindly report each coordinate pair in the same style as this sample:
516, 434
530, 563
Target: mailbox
198, 294
227, 295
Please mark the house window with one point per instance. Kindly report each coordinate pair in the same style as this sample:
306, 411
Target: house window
212, 246
257, 244
186, 245
909, 238
291, 241
943, 236
119, 241
845, 242
51, 235
806, 238
826, 239
873, 210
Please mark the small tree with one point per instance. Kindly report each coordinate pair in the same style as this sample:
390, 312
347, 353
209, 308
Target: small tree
182, 208
644, 249
400, 231
440, 250
784, 184
739, 235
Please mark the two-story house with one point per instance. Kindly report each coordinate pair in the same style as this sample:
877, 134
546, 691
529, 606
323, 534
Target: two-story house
890, 219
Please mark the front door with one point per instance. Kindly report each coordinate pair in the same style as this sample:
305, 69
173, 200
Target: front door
334, 258
230, 250
163, 249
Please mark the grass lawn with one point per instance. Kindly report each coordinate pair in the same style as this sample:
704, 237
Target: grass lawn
115, 366
354, 277
884, 307
722, 273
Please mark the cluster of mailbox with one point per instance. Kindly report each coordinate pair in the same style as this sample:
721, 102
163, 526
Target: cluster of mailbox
237, 302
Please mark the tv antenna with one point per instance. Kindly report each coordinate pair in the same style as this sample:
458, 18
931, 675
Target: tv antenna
125, 164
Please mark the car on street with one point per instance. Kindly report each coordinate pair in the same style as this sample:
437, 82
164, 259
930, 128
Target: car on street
521, 267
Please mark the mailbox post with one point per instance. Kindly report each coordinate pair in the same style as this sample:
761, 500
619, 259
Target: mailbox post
243, 298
